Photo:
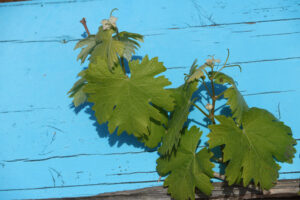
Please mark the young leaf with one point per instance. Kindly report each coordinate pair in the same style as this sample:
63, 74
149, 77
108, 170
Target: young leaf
126, 102
130, 43
187, 168
221, 78
182, 96
89, 44
79, 96
251, 150
236, 101
197, 74
107, 47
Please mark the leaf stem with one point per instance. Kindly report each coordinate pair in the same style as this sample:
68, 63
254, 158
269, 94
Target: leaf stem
83, 21
201, 110
223, 65
203, 82
212, 113
159, 179
217, 97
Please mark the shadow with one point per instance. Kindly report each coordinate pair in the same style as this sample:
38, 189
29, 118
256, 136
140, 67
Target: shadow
203, 97
113, 139
79, 108
217, 151
127, 69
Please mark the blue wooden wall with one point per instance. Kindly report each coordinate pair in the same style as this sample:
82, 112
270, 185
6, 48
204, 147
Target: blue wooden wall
49, 149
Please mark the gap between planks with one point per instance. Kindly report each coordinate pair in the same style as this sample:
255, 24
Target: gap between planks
81, 155
43, 3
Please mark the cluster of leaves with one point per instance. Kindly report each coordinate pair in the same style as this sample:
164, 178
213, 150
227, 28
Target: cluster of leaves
252, 140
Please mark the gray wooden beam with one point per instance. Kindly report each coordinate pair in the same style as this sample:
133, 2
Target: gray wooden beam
286, 188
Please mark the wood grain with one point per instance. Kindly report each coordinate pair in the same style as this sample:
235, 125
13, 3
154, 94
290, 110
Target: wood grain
284, 189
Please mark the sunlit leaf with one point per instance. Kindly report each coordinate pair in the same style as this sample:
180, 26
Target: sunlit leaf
252, 149
187, 169
125, 102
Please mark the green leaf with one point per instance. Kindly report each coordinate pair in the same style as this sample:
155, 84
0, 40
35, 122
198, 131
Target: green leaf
196, 72
89, 44
182, 96
236, 102
126, 102
199, 73
156, 132
251, 150
187, 168
221, 78
107, 48
130, 43
79, 96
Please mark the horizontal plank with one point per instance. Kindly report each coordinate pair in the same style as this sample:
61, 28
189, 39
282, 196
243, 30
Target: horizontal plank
204, 13
67, 175
40, 3
283, 189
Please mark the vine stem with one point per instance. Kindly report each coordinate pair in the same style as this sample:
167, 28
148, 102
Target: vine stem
223, 65
83, 21
201, 110
159, 179
212, 113
219, 176
203, 82
222, 93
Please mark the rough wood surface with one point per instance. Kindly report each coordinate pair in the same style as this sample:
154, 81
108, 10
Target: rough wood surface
287, 188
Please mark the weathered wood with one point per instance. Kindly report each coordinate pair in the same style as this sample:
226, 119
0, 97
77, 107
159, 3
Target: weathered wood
286, 188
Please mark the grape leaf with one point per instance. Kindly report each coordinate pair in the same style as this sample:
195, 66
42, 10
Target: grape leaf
79, 96
221, 78
182, 96
130, 43
197, 74
89, 44
103, 45
236, 101
251, 150
187, 168
126, 102
156, 132
107, 47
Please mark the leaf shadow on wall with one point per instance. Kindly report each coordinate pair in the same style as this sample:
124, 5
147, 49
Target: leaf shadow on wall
102, 130
203, 97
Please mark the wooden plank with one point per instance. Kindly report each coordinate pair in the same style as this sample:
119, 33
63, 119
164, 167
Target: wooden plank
287, 189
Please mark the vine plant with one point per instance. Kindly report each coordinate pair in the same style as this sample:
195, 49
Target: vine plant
251, 140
